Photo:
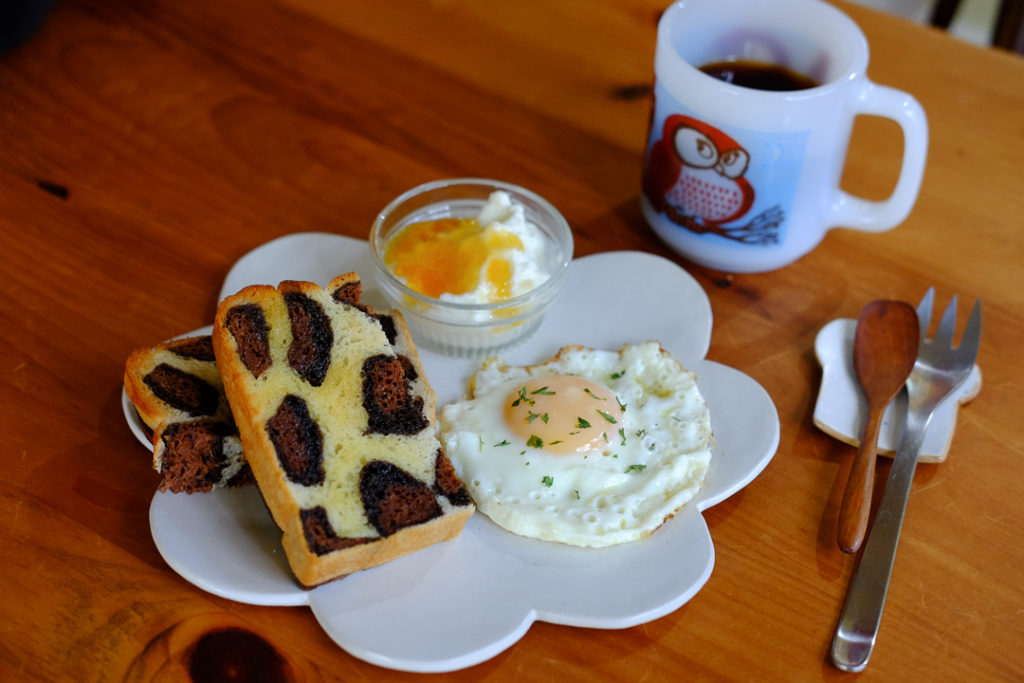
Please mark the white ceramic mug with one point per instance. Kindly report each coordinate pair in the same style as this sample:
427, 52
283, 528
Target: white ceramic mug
747, 180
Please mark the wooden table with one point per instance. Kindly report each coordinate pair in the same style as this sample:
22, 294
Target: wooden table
147, 146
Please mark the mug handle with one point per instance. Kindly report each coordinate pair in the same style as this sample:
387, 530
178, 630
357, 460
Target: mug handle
878, 216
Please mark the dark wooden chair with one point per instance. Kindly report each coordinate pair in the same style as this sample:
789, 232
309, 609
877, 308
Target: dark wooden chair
1008, 32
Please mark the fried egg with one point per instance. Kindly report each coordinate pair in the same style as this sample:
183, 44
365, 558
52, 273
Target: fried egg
590, 448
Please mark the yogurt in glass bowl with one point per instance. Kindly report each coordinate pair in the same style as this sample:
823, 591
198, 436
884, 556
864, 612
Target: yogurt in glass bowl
472, 264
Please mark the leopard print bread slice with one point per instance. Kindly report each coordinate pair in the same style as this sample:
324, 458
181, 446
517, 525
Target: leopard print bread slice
176, 390
337, 422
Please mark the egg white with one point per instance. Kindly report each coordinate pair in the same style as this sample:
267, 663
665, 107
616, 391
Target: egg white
655, 462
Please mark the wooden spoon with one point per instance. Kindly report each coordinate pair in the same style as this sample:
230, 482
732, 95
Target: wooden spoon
884, 351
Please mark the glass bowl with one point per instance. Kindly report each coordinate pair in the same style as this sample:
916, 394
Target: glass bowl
470, 329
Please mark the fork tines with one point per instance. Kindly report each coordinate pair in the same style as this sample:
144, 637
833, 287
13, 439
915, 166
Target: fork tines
944, 334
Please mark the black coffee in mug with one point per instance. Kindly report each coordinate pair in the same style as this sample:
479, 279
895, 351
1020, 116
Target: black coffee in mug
759, 75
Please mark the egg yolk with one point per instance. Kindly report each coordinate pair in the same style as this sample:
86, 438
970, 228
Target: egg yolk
563, 414
453, 256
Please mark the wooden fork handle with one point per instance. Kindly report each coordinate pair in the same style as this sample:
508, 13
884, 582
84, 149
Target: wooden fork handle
853, 513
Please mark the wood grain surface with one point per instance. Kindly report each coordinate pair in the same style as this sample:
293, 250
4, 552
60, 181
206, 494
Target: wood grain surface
146, 146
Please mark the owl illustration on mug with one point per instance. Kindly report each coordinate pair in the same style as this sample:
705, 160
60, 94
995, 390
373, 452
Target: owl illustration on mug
694, 175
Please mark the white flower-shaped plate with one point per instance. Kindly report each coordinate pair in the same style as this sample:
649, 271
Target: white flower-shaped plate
459, 603
842, 409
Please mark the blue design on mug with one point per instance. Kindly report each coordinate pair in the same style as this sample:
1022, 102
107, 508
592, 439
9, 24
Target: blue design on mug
727, 184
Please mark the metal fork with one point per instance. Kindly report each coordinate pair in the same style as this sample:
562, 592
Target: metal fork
938, 371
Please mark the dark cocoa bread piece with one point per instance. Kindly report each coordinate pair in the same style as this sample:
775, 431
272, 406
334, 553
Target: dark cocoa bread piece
177, 391
337, 421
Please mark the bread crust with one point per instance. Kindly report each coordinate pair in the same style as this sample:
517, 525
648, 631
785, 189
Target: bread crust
337, 408
175, 388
